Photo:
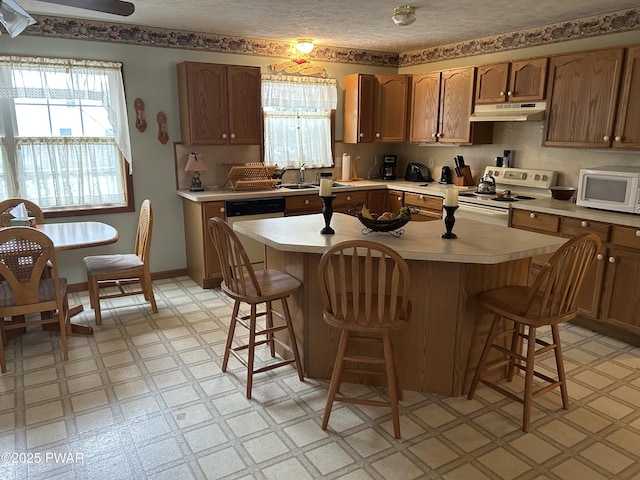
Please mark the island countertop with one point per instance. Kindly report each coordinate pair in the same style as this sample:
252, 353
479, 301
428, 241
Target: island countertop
477, 242
439, 350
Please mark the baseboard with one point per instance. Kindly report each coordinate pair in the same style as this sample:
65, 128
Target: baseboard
82, 286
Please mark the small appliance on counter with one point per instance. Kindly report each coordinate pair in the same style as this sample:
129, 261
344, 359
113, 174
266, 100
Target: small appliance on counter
388, 170
416, 172
615, 188
445, 176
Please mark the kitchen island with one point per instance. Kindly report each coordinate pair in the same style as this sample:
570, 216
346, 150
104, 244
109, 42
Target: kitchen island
439, 350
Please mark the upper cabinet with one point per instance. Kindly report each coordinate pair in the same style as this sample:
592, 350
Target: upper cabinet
219, 104
522, 81
627, 131
375, 108
441, 103
582, 99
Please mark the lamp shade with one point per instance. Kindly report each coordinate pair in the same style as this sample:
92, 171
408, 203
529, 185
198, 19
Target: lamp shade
14, 18
195, 163
304, 46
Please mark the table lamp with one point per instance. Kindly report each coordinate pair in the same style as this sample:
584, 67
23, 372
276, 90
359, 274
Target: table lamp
197, 165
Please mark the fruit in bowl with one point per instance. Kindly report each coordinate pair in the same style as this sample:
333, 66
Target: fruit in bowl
385, 222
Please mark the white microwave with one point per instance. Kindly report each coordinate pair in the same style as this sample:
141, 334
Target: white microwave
610, 188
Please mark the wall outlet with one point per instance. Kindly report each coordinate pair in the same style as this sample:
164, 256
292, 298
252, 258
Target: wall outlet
431, 163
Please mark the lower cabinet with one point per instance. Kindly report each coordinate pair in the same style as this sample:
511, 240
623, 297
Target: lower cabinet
395, 201
609, 297
423, 207
345, 202
203, 265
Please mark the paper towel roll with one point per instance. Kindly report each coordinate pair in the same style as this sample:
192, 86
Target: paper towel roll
346, 167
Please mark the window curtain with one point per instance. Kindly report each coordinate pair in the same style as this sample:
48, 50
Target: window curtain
68, 79
297, 119
62, 171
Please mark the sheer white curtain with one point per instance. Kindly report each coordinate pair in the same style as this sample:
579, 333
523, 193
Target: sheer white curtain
297, 120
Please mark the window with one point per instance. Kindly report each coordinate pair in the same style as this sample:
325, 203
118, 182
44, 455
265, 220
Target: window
64, 134
298, 114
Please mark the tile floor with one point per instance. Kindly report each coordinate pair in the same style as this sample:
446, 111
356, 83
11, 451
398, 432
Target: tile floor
144, 398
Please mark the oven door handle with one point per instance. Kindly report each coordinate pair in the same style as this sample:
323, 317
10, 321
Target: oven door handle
493, 212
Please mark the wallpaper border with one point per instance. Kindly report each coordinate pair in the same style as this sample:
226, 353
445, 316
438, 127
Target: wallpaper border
69, 28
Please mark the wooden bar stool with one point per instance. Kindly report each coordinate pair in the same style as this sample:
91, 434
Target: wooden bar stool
365, 289
243, 284
547, 302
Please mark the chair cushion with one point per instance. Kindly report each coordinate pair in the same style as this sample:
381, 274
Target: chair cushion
46, 292
109, 264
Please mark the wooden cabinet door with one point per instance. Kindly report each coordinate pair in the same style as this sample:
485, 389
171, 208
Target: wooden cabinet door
423, 207
212, 263
621, 301
395, 201
359, 109
627, 132
456, 105
527, 80
202, 91
582, 98
376, 201
392, 101
245, 105
491, 84
425, 101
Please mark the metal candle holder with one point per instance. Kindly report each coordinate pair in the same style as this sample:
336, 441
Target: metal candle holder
449, 221
327, 212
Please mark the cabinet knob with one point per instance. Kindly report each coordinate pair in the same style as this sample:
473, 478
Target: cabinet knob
606, 138
421, 197
502, 94
612, 260
306, 202
221, 209
224, 135
600, 257
377, 134
618, 138
532, 215
509, 93
399, 198
440, 135
361, 135
584, 224
637, 233
434, 135
348, 197
233, 135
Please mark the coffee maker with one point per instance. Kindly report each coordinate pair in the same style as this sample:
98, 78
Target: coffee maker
445, 176
388, 170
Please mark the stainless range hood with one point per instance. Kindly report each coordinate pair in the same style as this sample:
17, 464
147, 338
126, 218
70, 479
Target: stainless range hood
509, 112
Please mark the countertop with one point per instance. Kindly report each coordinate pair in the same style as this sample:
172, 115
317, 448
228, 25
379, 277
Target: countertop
543, 204
421, 240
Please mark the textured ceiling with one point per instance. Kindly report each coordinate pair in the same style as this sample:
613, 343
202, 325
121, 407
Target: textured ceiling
358, 24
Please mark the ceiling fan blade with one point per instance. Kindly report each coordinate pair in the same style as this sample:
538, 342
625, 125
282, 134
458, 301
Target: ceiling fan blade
116, 7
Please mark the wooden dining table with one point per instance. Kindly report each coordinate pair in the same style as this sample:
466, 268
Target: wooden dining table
72, 235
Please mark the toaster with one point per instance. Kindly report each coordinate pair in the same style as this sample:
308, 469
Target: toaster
416, 172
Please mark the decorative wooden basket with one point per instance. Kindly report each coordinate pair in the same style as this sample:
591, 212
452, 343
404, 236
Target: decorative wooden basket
250, 176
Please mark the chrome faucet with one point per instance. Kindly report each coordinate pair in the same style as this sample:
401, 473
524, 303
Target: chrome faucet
302, 173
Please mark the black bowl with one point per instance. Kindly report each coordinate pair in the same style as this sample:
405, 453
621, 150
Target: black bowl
383, 225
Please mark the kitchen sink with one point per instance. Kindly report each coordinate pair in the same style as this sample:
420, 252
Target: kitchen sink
299, 186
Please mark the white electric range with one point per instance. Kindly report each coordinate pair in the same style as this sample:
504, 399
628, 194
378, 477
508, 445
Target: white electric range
519, 184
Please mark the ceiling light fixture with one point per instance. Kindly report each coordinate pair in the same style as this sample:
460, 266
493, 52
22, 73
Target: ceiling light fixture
305, 46
14, 18
404, 16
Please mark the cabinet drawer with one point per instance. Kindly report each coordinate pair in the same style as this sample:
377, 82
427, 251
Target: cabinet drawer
540, 222
302, 203
350, 198
424, 201
626, 236
577, 226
